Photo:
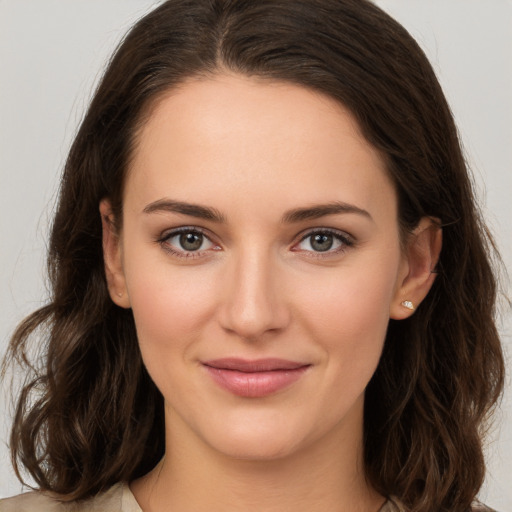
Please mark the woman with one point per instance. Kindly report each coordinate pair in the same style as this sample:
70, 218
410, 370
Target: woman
264, 266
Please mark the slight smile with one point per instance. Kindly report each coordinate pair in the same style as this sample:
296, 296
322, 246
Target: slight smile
256, 378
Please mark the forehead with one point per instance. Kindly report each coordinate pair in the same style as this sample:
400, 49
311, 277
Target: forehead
253, 138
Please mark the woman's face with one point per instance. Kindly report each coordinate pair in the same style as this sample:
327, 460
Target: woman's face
260, 254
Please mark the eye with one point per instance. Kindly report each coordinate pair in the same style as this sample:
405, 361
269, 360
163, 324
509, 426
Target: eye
324, 241
186, 242
189, 241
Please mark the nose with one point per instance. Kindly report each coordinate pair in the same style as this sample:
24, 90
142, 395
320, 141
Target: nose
254, 304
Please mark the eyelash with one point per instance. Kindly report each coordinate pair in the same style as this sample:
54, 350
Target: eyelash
192, 230
345, 240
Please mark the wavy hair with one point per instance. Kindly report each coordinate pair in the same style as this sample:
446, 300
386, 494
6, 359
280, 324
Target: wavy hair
89, 414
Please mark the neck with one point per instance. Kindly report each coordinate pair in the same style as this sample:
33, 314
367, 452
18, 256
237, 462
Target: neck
326, 476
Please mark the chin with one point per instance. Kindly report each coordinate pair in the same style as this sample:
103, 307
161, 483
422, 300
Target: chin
258, 441
260, 450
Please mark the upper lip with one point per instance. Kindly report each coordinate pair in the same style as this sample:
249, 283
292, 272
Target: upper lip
254, 365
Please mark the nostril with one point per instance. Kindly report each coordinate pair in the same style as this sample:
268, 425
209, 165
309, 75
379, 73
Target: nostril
250, 319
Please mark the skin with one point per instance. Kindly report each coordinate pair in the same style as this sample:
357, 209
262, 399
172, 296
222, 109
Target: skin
254, 152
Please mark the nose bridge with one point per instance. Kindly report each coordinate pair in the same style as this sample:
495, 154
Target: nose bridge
254, 304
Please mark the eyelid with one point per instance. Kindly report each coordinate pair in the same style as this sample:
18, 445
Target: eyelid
346, 240
168, 234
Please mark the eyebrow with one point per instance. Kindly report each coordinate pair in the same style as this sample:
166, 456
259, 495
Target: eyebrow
193, 210
321, 210
292, 216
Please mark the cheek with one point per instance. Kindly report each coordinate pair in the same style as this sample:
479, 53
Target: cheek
348, 315
356, 301
171, 311
170, 305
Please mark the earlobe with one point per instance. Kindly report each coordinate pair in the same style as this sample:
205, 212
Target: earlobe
421, 257
112, 256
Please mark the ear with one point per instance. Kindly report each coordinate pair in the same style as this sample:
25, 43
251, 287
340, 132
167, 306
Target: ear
417, 274
112, 256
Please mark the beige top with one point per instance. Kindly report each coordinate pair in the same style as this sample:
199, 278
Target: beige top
118, 498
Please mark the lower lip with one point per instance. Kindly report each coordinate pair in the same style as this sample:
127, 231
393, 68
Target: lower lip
255, 384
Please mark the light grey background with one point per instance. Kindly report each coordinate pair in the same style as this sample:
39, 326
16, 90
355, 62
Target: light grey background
51, 55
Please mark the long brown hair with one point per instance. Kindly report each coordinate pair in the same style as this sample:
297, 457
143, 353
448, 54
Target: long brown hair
89, 414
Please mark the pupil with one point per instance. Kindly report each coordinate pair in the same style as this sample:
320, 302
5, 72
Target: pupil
322, 242
191, 241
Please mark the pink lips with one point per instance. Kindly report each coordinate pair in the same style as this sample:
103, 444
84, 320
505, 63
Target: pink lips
254, 379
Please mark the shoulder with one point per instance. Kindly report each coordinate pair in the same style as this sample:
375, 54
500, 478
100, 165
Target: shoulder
394, 505
480, 507
29, 501
116, 499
